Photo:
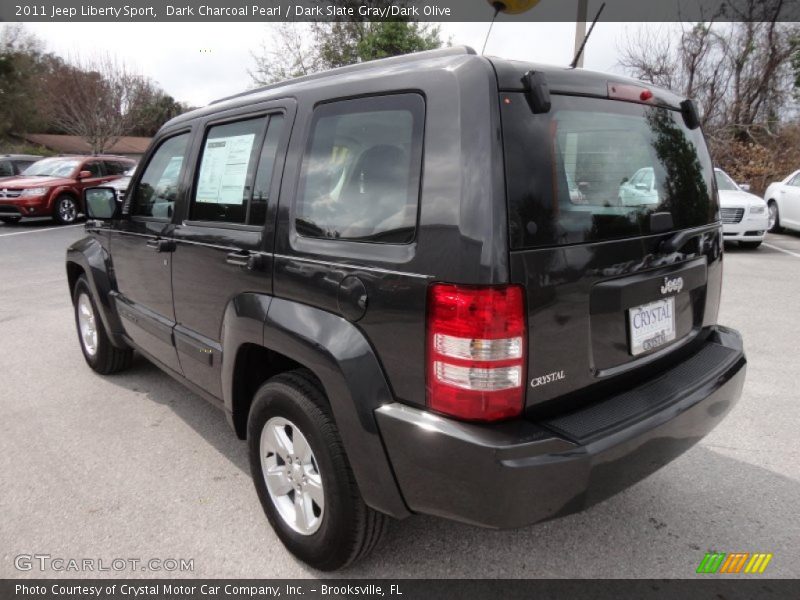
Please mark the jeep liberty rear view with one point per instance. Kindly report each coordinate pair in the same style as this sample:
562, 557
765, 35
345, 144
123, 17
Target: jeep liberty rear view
441, 283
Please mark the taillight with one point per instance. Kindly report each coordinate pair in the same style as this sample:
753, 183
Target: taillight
476, 351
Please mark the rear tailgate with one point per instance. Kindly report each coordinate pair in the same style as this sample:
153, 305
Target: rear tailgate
614, 232
580, 300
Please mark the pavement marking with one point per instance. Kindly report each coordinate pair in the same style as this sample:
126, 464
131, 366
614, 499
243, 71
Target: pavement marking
60, 227
784, 250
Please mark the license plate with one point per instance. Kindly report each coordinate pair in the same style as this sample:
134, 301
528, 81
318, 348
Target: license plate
651, 325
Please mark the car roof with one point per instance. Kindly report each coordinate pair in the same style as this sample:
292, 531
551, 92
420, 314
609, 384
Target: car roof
509, 74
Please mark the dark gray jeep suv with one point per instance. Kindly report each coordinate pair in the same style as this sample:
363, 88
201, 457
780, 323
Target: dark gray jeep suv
415, 286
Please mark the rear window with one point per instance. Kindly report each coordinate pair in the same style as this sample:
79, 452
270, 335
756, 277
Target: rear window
594, 169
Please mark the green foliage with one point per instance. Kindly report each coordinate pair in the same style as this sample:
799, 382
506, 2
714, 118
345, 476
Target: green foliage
392, 38
296, 50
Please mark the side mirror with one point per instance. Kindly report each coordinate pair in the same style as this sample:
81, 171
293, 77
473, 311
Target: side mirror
745, 186
101, 203
84, 174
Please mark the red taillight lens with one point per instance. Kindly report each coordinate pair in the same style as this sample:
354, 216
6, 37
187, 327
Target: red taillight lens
476, 351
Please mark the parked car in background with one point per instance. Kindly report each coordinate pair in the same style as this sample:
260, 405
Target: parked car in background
52, 187
14, 164
639, 189
744, 215
783, 202
121, 184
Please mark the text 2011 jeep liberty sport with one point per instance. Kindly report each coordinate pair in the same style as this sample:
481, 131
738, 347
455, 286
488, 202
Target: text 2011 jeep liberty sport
427, 284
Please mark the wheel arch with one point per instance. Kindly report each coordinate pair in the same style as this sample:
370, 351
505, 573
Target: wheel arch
267, 336
88, 257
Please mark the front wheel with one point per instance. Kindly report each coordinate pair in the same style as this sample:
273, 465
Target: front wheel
774, 225
303, 478
100, 354
65, 210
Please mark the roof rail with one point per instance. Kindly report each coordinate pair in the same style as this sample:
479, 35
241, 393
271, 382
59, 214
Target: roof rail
414, 56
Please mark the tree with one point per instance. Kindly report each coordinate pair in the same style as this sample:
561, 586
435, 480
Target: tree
22, 62
739, 73
153, 108
96, 99
297, 49
743, 76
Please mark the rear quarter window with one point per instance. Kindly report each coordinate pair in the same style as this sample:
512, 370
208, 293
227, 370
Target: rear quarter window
361, 170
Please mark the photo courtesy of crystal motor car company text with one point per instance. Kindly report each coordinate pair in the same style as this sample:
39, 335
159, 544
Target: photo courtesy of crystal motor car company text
422, 283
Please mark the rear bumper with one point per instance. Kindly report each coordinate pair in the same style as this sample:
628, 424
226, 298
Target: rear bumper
517, 473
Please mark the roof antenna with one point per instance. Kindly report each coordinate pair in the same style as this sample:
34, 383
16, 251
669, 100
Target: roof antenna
498, 6
575, 60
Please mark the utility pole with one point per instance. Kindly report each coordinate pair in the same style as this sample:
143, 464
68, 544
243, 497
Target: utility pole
580, 28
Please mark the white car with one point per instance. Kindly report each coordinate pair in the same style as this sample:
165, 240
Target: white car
783, 199
744, 215
639, 189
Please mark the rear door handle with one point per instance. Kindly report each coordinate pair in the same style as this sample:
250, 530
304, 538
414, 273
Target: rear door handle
245, 260
161, 245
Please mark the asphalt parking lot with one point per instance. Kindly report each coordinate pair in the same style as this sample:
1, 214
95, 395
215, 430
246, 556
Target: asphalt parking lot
136, 466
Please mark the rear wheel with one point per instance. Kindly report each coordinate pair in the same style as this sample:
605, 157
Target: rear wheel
303, 478
749, 245
774, 224
65, 210
100, 354
10, 220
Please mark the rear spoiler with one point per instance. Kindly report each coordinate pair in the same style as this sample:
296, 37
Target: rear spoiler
537, 91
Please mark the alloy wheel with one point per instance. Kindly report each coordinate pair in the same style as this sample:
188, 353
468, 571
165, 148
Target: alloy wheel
67, 211
292, 476
87, 324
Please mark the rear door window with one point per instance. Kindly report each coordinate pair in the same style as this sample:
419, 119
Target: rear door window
361, 170
235, 172
114, 167
593, 169
94, 167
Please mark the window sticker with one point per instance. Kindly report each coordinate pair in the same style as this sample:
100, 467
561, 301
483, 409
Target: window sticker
223, 172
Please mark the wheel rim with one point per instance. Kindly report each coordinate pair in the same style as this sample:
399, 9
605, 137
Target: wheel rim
87, 324
773, 216
292, 475
67, 211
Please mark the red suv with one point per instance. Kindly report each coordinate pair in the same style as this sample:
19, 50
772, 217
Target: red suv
54, 186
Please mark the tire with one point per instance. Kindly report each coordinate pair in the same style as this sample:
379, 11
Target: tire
340, 529
772, 207
10, 220
100, 354
65, 210
749, 245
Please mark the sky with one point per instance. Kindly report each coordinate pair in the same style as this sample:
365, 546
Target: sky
200, 62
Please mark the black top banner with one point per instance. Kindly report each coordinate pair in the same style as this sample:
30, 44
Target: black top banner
149, 11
